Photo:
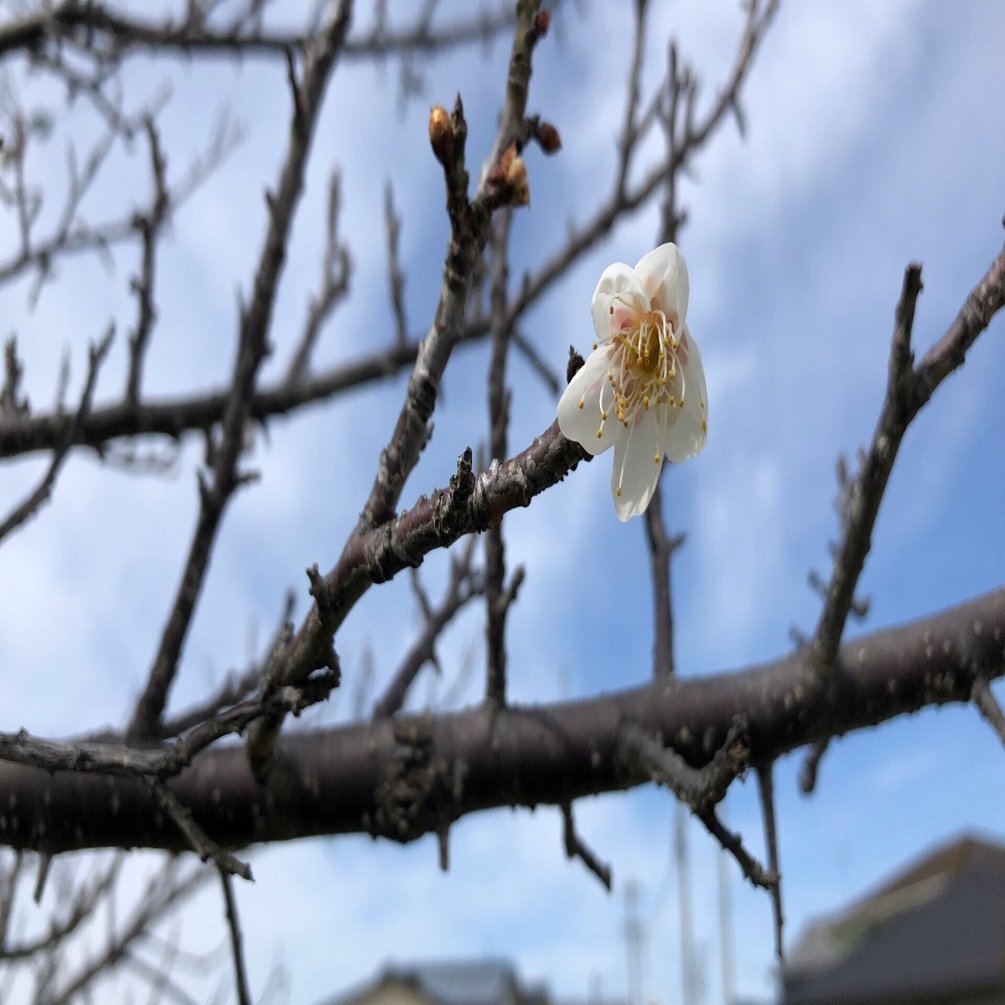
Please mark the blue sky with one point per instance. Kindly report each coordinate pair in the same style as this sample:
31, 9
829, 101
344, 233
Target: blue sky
874, 139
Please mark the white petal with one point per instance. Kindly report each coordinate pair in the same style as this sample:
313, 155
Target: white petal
616, 281
637, 463
582, 424
663, 274
688, 431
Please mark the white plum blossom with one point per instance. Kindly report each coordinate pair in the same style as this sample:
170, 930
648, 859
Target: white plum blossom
642, 389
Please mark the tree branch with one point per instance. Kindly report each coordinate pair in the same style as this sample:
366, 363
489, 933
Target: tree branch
405, 777
252, 349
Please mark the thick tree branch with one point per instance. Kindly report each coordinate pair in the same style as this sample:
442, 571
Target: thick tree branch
403, 778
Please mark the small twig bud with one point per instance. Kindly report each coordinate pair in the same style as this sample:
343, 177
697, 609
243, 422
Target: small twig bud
548, 137
441, 135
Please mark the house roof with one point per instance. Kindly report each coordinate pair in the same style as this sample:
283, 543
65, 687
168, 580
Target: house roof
455, 982
468, 982
937, 928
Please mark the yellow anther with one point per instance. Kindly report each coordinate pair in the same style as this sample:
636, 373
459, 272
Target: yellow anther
582, 403
617, 491
656, 458
600, 433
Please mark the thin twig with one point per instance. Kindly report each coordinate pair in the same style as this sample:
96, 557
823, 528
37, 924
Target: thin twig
334, 287
811, 766
43, 491
575, 848
731, 842
162, 892
234, 926
661, 549
498, 407
766, 791
464, 585
84, 903
237, 686
629, 132
197, 838
149, 226
701, 788
392, 224
989, 707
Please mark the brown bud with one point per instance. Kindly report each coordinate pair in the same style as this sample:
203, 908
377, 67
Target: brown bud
547, 136
516, 178
542, 23
441, 135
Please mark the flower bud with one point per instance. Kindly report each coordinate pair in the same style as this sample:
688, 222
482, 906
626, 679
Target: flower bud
547, 136
441, 135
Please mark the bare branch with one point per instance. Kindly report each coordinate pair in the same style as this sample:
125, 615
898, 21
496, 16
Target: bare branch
661, 549
237, 686
149, 226
989, 707
200, 843
42, 492
702, 789
163, 892
115, 35
252, 348
469, 223
811, 766
335, 271
84, 903
340, 779
392, 223
464, 586
907, 391
575, 848
234, 925
499, 404
766, 791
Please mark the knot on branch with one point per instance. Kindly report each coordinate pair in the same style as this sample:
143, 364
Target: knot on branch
450, 505
420, 787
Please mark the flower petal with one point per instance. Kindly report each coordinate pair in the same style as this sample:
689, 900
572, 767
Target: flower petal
582, 424
617, 281
637, 463
689, 429
663, 275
